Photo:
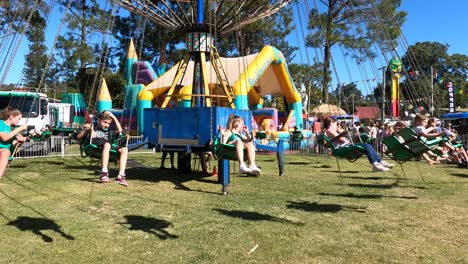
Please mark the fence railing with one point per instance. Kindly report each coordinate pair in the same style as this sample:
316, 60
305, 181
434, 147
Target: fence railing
62, 146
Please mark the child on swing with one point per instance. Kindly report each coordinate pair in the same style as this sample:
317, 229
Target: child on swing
101, 136
339, 140
237, 134
9, 117
421, 123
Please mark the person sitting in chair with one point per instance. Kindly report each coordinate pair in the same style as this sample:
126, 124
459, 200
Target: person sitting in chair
238, 135
101, 136
338, 139
9, 137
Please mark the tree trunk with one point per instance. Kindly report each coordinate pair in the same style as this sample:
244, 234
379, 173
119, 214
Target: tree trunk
327, 55
82, 70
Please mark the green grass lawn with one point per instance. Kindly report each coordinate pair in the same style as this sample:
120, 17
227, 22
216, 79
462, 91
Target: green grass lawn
55, 211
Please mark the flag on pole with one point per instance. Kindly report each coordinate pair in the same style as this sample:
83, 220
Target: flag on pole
437, 77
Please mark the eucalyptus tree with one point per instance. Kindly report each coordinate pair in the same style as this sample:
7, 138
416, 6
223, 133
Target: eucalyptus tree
355, 25
272, 30
425, 59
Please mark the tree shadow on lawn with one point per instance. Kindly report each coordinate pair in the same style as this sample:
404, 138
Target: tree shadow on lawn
37, 225
324, 208
367, 196
254, 216
149, 225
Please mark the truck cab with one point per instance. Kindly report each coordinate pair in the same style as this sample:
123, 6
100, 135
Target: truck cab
33, 106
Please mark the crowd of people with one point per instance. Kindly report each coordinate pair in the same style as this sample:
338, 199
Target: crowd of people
368, 136
373, 133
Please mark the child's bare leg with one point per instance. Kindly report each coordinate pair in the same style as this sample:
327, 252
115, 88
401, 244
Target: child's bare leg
429, 160
251, 152
123, 160
431, 154
105, 155
463, 154
449, 146
240, 152
4, 155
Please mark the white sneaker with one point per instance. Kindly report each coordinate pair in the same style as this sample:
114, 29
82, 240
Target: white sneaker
255, 170
387, 165
243, 169
379, 167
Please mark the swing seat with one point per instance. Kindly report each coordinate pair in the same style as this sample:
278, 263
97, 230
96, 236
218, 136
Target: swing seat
95, 151
397, 150
260, 135
225, 151
12, 150
42, 137
350, 152
365, 138
455, 144
296, 136
418, 145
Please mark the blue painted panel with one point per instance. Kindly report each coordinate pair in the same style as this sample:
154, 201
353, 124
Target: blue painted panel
189, 123
149, 126
459, 115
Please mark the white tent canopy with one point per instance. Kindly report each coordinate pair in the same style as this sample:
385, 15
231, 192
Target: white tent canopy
267, 84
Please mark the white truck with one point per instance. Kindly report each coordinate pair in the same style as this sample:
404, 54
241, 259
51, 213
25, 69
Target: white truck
39, 111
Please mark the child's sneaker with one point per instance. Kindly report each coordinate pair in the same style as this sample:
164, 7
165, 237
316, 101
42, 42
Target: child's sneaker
104, 177
243, 169
379, 167
121, 180
255, 170
387, 165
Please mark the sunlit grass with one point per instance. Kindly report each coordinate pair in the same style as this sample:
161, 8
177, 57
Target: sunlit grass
55, 211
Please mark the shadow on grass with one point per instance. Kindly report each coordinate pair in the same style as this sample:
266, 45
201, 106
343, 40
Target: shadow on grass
298, 163
383, 186
374, 186
17, 166
461, 175
324, 208
335, 171
37, 225
368, 178
367, 196
150, 174
321, 166
254, 216
269, 160
149, 225
176, 177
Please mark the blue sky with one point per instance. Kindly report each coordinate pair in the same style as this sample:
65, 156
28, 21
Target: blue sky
428, 20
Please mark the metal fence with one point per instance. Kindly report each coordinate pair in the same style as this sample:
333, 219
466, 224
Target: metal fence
62, 146
310, 146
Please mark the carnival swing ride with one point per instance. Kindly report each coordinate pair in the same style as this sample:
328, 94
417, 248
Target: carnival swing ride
182, 108
198, 94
